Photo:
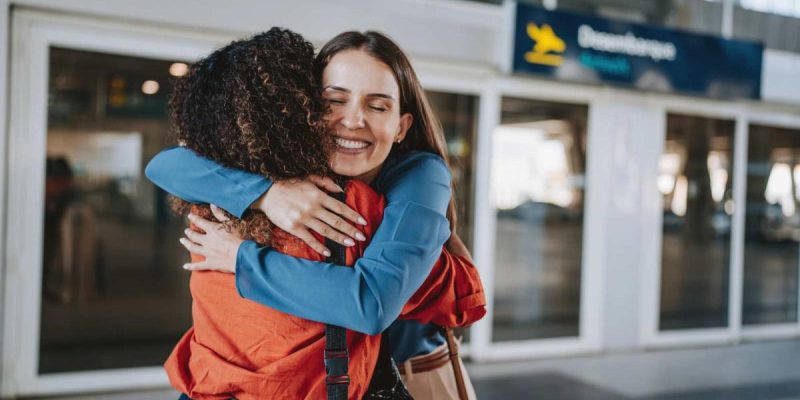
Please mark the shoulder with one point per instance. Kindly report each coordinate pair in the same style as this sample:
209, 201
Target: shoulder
419, 159
418, 166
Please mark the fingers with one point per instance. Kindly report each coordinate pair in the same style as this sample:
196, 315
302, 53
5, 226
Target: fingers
192, 246
219, 214
195, 267
311, 241
340, 208
202, 266
195, 237
325, 183
330, 233
203, 223
338, 224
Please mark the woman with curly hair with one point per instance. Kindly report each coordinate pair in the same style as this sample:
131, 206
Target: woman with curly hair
385, 135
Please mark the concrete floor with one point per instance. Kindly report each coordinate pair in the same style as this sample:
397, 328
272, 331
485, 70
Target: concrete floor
754, 371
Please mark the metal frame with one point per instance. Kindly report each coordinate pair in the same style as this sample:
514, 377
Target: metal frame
767, 116
32, 34
484, 82
478, 80
744, 113
590, 324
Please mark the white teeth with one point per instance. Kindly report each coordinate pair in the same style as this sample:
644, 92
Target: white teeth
351, 144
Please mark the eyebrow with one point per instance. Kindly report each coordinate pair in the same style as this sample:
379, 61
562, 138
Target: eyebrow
341, 89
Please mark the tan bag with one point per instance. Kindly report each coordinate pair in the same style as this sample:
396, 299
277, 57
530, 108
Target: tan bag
438, 375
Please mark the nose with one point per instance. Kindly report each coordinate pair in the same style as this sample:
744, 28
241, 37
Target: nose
353, 117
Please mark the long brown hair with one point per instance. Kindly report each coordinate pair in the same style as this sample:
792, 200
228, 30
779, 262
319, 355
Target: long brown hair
425, 133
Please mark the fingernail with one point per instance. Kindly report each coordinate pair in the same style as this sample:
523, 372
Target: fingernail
186, 231
326, 253
349, 242
362, 221
360, 236
340, 188
186, 267
191, 216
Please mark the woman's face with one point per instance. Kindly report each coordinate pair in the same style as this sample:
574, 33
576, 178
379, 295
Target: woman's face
364, 115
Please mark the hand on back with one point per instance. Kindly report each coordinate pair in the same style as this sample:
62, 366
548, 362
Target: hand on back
300, 206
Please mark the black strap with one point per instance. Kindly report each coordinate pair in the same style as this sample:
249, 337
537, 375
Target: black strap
336, 355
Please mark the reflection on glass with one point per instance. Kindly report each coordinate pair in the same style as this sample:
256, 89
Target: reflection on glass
537, 188
695, 180
113, 294
458, 115
772, 226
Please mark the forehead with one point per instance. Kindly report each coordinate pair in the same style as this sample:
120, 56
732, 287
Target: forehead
359, 72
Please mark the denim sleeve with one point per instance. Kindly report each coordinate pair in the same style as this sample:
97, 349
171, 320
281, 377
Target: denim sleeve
368, 297
191, 177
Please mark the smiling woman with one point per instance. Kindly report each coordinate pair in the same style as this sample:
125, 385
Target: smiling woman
362, 94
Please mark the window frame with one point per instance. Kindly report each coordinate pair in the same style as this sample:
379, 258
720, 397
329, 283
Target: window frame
33, 33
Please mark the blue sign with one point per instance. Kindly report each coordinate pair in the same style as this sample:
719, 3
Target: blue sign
580, 48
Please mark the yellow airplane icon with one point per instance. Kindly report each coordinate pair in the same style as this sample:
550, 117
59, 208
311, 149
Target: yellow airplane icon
546, 41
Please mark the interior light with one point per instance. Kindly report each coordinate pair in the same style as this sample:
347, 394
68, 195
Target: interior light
178, 69
150, 87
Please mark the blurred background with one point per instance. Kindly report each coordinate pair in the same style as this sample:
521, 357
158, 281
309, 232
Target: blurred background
627, 173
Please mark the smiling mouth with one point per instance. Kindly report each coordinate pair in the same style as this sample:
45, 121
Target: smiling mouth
349, 144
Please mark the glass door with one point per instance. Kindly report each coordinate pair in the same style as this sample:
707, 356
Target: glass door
96, 296
695, 180
730, 234
538, 174
772, 227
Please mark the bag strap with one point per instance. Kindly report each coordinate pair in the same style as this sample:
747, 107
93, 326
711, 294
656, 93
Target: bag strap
336, 355
452, 346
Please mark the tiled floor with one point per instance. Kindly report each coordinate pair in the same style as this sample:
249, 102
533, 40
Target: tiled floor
757, 371
751, 371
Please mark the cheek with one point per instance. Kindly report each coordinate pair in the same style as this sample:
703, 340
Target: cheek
388, 131
330, 119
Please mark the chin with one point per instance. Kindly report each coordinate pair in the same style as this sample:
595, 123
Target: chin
348, 171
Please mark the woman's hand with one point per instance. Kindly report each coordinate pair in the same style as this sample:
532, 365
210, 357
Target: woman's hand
297, 206
218, 246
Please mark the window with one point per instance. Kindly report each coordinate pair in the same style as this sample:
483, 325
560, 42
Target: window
537, 188
696, 182
113, 292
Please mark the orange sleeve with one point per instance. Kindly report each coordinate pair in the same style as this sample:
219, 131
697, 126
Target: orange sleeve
451, 296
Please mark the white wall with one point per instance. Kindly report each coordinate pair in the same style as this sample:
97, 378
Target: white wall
781, 77
4, 51
624, 156
438, 29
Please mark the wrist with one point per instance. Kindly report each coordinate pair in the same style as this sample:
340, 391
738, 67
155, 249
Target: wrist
258, 204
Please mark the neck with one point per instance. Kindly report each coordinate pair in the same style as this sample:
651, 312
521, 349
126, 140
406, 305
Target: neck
369, 176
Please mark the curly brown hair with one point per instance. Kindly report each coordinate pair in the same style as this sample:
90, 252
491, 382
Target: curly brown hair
254, 105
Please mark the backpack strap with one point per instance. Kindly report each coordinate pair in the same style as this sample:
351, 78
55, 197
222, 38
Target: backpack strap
336, 355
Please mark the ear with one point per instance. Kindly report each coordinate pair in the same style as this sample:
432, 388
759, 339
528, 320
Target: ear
405, 124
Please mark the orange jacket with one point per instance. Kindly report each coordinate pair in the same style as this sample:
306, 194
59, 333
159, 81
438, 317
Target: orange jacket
242, 349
